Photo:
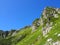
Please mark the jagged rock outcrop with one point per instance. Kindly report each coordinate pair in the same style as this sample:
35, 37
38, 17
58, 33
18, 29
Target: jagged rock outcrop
35, 25
46, 18
48, 14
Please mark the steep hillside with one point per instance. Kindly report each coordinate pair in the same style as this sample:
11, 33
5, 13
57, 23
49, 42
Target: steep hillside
43, 31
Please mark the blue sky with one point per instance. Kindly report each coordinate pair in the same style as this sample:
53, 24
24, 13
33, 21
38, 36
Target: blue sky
15, 14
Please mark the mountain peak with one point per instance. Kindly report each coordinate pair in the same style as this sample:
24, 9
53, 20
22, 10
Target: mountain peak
49, 11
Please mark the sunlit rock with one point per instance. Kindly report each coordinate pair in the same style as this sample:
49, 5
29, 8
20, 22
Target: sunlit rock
56, 43
58, 35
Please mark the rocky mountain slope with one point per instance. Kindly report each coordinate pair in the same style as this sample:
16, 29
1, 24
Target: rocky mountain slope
43, 31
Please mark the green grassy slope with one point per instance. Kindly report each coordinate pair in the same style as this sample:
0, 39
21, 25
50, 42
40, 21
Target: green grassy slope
30, 38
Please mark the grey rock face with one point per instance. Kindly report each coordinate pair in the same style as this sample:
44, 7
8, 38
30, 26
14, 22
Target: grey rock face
35, 25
